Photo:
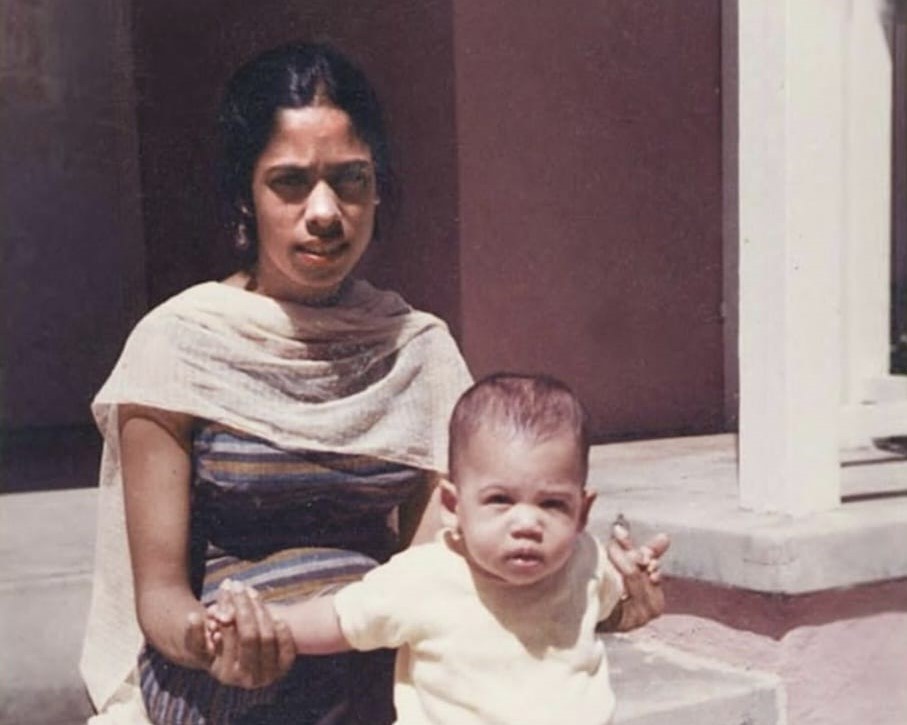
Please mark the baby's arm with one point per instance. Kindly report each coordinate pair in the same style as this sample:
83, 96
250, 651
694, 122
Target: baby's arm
313, 623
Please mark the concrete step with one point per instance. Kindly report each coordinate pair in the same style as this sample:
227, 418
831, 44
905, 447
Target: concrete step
687, 488
46, 549
660, 685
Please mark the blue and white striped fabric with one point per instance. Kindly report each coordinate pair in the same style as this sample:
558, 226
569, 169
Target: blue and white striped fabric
293, 525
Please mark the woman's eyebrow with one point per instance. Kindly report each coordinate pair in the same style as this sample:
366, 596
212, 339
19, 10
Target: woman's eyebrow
288, 168
352, 164
356, 164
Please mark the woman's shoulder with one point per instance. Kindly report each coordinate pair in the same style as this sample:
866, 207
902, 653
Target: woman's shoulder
184, 299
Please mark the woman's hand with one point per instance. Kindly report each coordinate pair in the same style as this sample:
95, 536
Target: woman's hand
238, 642
643, 598
246, 647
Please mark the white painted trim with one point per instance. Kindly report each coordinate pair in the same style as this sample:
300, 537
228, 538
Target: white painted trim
873, 420
730, 293
867, 192
792, 227
814, 82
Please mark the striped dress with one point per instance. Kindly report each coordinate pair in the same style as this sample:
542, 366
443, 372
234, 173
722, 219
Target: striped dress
294, 526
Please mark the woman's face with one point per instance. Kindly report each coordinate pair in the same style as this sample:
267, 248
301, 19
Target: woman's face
314, 196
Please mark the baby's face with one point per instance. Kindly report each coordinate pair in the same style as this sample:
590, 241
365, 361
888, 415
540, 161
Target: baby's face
520, 504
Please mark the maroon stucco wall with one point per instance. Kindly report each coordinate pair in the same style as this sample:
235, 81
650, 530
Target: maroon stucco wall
71, 255
590, 202
559, 166
185, 52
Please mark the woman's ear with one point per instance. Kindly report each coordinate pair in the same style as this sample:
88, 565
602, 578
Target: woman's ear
448, 504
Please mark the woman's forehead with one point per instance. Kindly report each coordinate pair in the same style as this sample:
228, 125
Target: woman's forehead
313, 134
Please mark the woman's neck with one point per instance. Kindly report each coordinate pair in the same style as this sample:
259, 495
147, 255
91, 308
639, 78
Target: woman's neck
247, 280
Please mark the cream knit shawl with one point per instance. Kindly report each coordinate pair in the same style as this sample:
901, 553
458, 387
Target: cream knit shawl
368, 376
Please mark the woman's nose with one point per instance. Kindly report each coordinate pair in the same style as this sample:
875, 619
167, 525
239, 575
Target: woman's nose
322, 211
525, 523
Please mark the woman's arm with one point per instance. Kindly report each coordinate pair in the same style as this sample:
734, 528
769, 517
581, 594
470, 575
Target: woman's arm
154, 446
156, 463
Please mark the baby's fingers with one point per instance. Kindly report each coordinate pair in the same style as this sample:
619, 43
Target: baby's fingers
196, 639
223, 609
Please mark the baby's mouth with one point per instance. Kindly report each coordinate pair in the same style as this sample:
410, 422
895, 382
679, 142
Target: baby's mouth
525, 557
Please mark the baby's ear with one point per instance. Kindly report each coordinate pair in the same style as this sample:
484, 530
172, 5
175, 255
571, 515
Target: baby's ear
448, 504
588, 500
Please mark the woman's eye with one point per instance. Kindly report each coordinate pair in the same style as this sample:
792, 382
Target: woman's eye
291, 181
351, 182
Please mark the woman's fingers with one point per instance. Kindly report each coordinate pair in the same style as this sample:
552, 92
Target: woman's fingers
268, 655
254, 649
224, 667
248, 654
286, 647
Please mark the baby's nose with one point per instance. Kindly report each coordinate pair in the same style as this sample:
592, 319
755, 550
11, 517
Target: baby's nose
525, 522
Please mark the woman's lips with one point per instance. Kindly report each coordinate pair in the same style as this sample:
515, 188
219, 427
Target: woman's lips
318, 254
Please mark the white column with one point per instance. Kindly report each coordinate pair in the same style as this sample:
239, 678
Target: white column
875, 402
792, 229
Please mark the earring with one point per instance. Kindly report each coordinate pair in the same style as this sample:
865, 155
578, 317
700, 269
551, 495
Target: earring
242, 240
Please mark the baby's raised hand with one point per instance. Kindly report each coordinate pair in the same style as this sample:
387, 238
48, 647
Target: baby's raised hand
643, 598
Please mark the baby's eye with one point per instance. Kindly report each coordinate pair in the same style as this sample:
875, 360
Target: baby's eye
555, 504
497, 499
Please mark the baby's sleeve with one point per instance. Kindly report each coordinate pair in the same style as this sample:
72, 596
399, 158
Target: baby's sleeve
611, 585
373, 612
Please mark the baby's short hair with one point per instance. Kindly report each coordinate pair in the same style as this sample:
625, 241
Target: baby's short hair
537, 406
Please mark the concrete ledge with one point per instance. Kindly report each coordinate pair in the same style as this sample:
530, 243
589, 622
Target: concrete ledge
657, 684
687, 487
46, 555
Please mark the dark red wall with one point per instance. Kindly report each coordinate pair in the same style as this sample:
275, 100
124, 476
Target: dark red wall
590, 202
185, 52
559, 164
561, 177
71, 258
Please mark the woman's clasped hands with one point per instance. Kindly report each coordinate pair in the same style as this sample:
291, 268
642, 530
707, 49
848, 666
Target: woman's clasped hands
241, 643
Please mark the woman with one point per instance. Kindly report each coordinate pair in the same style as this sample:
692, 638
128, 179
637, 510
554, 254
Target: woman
283, 427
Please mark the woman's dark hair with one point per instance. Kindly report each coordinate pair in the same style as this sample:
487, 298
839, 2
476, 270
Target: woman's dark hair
295, 75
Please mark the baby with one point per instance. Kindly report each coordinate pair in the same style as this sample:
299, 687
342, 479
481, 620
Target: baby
495, 621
